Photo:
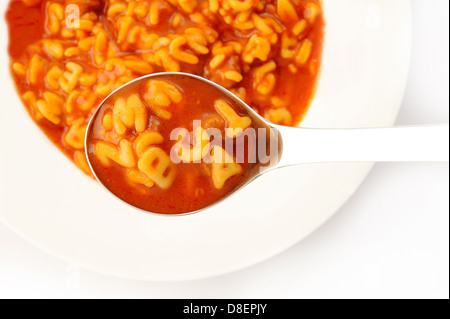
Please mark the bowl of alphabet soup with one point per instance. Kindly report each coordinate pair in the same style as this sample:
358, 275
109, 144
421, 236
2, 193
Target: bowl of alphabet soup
295, 62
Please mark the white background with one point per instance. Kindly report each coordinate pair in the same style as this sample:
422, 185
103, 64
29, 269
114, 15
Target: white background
391, 240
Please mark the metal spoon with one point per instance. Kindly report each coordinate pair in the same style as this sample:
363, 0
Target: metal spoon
296, 146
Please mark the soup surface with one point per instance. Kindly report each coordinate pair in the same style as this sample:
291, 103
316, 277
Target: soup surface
172, 144
68, 55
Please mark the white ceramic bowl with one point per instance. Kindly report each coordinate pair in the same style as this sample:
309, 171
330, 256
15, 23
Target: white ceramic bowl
48, 201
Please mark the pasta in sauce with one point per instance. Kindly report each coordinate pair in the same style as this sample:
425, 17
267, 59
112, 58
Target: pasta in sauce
265, 51
146, 148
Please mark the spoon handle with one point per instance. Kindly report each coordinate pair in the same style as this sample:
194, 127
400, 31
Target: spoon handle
397, 144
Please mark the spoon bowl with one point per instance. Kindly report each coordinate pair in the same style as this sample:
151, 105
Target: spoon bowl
259, 126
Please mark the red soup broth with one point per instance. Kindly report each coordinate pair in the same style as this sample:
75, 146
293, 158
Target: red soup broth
269, 55
186, 186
